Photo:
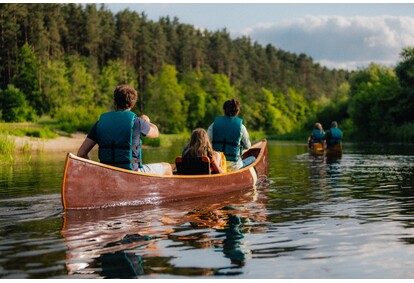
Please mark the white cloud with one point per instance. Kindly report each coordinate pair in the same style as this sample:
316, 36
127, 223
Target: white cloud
337, 41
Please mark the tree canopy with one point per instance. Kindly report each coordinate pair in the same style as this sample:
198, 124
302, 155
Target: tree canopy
65, 60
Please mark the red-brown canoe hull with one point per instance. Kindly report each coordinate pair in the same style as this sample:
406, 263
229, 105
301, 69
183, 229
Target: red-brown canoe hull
90, 184
334, 150
317, 149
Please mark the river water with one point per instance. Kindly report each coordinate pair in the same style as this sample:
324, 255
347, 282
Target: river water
345, 218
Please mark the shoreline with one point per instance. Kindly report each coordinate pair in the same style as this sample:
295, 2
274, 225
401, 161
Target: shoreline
59, 144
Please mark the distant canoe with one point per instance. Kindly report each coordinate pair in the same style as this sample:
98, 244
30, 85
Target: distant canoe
316, 148
334, 150
91, 184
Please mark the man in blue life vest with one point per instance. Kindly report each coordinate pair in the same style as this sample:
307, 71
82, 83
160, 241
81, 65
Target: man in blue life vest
228, 135
118, 134
334, 135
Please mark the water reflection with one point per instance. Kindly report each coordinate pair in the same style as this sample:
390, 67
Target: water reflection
134, 238
316, 218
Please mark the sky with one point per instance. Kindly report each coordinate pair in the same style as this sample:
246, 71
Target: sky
348, 35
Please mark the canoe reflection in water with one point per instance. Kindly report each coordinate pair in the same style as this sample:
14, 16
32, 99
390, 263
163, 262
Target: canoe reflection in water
127, 242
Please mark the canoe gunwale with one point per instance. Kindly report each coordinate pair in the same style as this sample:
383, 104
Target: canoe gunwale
92, 162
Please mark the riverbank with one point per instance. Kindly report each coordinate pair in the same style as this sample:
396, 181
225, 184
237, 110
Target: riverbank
60, 144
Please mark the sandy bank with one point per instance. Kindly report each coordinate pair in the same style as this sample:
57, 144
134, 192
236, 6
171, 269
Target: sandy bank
63, 144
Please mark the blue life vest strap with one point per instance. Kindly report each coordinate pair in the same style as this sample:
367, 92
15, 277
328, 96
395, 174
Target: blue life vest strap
233, 144
113, 146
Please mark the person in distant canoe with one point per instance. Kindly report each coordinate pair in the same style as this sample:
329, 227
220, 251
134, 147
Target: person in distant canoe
228, 135
118, 134
200, 145
317, 135
334, 135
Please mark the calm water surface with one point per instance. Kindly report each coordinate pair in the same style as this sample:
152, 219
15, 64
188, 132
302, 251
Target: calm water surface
313, 218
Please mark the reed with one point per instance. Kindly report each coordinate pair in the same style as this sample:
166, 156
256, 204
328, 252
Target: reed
6, 149
27, 129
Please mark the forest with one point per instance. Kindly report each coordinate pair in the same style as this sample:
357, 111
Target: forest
64, 60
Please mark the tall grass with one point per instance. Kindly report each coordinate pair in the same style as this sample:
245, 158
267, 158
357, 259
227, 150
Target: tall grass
6, 149
27, 129
8, 146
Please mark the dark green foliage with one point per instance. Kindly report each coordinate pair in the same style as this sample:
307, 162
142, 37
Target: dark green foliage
66, 59
27, 77
167, 101
373, 93
80, 118
14, 107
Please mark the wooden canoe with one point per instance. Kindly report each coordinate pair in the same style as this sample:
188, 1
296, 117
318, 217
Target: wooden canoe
334, 150
90, 184
316, 148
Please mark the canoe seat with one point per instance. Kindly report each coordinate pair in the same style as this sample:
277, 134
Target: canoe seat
193, 165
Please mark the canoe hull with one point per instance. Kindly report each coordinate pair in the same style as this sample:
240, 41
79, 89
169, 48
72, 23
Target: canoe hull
316, 149
90, 184
335, 150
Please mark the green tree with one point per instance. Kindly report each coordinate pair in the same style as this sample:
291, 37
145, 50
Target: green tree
166, 105
106, 34
113, 74
14, 107
218, 89
54, 25
218, 50
335, 109
373, 94
74, 37
12, 18
405, 73
195, 96
56, 86
271, 116
82, 85
159, 44
26, 78
93, 39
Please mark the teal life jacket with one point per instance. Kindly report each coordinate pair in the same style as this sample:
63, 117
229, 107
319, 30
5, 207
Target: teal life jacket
115, 139
227, 136
317, 135
335, 136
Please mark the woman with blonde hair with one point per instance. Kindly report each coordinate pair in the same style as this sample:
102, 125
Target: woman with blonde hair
200, 145
317, 135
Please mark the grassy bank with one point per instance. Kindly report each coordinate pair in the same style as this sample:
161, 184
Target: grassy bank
6, 149
47, 129
8, 132
27, 129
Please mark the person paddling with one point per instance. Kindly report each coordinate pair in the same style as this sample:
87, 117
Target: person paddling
118, 134
333, 136
317, 135
228, 135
